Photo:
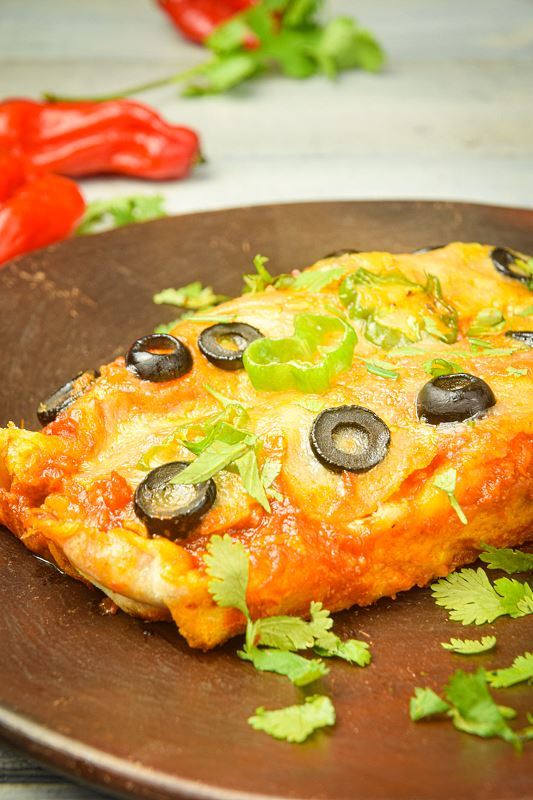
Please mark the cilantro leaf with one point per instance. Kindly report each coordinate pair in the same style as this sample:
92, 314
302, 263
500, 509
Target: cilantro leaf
193, 296
166, 327
439, 366
227, 565
382, 368
351, 650
487, 321
295, 723
317, 279
517, 373
470, 647
297, 669
426, 703
269, 472
507, 559
520, 671
261, 279
472, 599
248, 469
446, 482
118, 211
473, 708
293, 633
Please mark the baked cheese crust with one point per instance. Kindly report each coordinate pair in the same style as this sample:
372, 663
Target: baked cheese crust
338, 537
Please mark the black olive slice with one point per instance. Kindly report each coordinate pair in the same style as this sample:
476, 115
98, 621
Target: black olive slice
48, 410
211, 343
168, 509
504, 260
345, 251
427, 249
367, 434
526, 337
159, 357
454, 398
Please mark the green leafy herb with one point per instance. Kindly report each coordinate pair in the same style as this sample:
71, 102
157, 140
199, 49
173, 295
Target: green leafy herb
382, 368
269, 472
477, 344
293, 633
194, 296
315, 280
471, 598
166, 327
507, 559
117, 211
470, 647
517, 373
439, 366
487, 321
469, 705
352, 650
261, 279
225, 444
446, 482
299, 670
295, 723
227, 565
520, 671
426, 703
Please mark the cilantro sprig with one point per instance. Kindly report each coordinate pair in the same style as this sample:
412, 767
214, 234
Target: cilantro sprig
447, 482
102, 215
470, 706
271, 643
521, 670
471, 598
506, 559
470, 647
289, 38
295, 723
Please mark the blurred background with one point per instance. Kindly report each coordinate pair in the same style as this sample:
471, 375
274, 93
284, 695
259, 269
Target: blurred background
449, 117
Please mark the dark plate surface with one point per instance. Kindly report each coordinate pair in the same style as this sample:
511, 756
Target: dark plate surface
128, 706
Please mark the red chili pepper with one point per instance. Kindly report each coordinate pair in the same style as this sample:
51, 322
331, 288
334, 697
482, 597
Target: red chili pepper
86, 138
196, 19
36, 208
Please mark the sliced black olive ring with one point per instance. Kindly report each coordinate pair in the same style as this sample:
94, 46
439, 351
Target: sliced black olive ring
159, 357
345, 251
428, 249
526, 337
237, 334
169, 509
366, 434
48, 410
504, 260
454, 398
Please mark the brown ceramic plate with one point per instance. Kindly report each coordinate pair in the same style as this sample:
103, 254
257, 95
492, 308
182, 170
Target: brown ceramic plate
128, 706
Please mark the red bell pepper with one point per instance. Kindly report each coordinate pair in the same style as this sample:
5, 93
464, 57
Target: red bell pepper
86, 138
196, 19
36, 209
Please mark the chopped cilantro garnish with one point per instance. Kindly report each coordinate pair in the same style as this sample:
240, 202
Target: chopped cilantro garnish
194, 297
446, 482
439, 366
299, 670
507, 559
471, 598
469, 705
295, 723
102, 215
521, 670
382, 368
315, 280
227, 565
517, 373
487, 321
470, 647
261, 279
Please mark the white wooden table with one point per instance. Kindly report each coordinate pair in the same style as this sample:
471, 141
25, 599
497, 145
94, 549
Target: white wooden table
451, 118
